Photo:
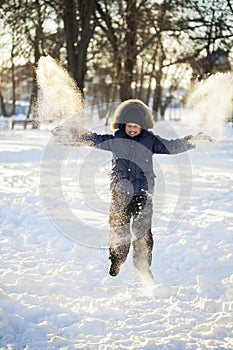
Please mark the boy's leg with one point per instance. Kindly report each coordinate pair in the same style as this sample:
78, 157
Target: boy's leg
142, 254
143, 243
119, 240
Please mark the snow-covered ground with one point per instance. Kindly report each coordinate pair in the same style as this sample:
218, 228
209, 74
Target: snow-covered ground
56, 293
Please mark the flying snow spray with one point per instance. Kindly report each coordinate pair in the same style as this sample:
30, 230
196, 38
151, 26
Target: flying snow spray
211, 103
59, 96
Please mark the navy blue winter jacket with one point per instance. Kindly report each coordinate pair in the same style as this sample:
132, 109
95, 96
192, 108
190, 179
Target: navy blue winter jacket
132, 166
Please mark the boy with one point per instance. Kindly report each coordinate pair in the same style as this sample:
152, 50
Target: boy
132, 179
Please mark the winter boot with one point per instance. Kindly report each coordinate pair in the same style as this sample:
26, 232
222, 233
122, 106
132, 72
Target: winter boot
117, 256
114, 267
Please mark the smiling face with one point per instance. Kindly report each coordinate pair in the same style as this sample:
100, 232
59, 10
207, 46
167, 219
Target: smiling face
132, 129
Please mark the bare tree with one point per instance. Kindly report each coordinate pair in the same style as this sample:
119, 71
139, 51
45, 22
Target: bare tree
137, 37
26, 20
79, 25
124, 31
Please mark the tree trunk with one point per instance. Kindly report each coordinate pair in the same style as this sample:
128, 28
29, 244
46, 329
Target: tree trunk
70, 29
130, 50
13, 111
3, 107
157, 100
157, 93
38, 49
78, 36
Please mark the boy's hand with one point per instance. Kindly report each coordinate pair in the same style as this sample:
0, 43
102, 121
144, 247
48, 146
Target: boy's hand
193, 140
202, 137
68, 135
63, 135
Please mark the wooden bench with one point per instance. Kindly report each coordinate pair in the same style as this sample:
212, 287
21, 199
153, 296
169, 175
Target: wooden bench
23, 122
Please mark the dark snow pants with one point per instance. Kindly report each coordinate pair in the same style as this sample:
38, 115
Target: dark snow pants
134, 213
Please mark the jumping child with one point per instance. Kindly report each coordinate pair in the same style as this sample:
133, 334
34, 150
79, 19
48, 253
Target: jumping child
132, 179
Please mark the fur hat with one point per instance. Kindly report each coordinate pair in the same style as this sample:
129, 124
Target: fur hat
133, 111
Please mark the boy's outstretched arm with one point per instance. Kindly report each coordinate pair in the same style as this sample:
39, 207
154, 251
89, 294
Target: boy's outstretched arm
180, 145
71, 135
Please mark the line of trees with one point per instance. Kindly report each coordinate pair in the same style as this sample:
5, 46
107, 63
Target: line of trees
115, 50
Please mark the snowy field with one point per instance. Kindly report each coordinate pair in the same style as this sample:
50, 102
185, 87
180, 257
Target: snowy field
56, 293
